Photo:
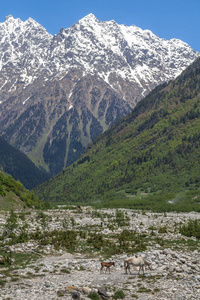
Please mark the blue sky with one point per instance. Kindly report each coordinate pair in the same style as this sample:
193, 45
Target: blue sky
166, 18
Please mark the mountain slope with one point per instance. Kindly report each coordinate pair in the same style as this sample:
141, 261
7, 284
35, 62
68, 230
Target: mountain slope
154, 150
13, 195
58, 93
17, 164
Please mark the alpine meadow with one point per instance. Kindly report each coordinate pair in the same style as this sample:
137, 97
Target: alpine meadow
148, 160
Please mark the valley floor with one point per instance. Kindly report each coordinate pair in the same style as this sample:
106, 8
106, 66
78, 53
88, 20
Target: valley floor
157, 284
51, 273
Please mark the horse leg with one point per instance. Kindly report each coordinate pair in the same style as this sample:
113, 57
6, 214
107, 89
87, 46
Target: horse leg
140, 267
125, 269
129, 268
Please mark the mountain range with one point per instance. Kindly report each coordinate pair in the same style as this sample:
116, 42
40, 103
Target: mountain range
58, 93
149, 159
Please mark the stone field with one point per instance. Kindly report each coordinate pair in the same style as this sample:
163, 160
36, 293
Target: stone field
50, 272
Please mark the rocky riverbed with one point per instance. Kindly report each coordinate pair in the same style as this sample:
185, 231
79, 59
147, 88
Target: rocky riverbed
50, 272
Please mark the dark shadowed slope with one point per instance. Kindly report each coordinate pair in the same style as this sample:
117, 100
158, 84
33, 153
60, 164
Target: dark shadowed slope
17, 164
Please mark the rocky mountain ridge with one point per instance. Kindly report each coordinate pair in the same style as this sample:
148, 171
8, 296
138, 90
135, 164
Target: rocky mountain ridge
57, 93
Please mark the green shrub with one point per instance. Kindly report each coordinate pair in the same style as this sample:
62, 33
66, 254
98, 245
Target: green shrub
65, 271
162, 229
93, 296
2, 193
11, 224
121, 220
2, 282
191, 229
6, 260
96, 240
119, 295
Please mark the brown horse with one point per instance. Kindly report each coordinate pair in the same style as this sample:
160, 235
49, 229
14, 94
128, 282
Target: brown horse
107, 265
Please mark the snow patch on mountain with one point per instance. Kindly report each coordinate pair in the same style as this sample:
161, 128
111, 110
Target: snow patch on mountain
104, 48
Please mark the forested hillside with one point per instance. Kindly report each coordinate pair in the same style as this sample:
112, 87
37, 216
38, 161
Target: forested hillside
17, 164
150, 159
13, 195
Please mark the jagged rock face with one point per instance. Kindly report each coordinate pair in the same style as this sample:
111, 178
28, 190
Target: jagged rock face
57, 93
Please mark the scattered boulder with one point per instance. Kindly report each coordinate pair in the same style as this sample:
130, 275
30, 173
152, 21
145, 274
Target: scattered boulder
102, 292
86, 290
76, 295
61, 293
47, 284
70, 288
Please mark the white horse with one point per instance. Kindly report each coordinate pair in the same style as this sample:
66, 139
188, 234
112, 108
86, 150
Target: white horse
126, 261
136, 262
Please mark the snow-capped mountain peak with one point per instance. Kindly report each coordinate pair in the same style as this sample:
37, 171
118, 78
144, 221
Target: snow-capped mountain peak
9, 18
22, 51
88, 19
57, 93
97, 47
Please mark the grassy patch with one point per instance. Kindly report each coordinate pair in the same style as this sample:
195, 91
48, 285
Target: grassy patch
2, 282
65, 271
94, 296
143, 289
119, 295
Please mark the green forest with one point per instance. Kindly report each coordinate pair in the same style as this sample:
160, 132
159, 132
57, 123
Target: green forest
14, 195
149, 160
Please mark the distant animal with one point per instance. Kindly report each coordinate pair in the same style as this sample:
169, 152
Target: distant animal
137, 262
107, 265
126, 261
